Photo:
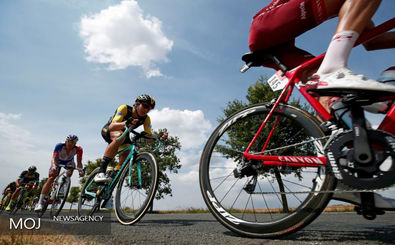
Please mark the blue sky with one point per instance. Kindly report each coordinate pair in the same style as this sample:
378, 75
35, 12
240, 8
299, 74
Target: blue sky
66, 65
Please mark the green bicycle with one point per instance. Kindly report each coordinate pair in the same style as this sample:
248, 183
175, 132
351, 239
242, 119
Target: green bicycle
22, 198
135, 182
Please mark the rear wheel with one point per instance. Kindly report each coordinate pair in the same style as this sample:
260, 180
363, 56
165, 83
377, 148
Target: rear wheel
264, 200
134, 192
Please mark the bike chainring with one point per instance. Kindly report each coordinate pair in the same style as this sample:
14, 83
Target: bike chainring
378, 174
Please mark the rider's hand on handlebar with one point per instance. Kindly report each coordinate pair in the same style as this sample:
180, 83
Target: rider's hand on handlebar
131, 122
81, 172
162, 136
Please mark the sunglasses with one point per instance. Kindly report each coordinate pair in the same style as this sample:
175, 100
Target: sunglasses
146, 106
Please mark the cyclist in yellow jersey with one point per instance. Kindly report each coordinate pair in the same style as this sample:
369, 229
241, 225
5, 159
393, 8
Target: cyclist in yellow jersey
125, 115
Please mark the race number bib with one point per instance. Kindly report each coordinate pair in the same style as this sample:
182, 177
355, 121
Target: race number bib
278, 82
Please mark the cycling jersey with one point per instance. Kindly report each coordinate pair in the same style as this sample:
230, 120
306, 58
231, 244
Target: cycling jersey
27, 176
123, 113
11, 187
63, 157
279, 23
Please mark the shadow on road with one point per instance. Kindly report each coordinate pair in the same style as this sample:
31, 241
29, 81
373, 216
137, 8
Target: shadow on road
173, 222
383, 234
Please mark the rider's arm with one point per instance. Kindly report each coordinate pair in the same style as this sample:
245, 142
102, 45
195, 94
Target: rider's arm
118, 122
384, 41
54, 159
148, 130
79, 156
55, 154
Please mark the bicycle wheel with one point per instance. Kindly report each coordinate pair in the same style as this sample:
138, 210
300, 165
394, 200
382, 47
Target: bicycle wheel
88, 204
134, 194
264, 201
44, 207
19, 202
60, 197
4, 202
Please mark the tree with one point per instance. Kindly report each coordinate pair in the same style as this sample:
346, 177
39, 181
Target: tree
74, 195
287, 134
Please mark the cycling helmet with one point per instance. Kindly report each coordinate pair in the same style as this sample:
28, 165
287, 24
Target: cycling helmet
72, 137
145, 98
32, 168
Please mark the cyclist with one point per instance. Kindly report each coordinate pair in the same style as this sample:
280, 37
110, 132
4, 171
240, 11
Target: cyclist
10, 188
63, 154
125, 115
276, 26
25, 177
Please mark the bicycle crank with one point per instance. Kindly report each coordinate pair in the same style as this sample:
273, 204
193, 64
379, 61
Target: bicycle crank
378, 173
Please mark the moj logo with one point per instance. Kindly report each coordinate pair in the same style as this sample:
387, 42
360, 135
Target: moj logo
28, 224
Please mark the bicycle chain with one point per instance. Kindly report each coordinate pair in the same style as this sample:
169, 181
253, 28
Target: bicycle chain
285, 147
322, 192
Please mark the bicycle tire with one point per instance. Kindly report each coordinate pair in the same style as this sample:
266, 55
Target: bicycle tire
126, 211
44, 207
275, 220
55, 209
18, 203
87, 205
4, 202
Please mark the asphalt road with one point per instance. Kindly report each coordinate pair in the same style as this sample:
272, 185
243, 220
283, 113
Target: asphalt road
329, 228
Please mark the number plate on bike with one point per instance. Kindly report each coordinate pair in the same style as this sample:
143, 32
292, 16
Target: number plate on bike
277, 82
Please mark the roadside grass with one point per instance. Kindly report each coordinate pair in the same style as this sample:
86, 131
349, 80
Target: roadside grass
22, 239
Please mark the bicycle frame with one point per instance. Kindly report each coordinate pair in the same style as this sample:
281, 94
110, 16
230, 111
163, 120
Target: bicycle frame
132, 152
294, 78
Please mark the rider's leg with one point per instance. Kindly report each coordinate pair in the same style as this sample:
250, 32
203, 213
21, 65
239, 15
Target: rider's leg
53, 172
13, 197
109, 154
354, 17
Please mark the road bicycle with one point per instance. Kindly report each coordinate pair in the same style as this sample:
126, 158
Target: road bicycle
59, 191
270, 169
135, 183
22, 198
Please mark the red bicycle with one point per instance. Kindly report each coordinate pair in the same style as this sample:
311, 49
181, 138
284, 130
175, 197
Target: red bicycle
271, 169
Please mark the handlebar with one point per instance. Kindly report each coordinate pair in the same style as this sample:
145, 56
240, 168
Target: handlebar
31, 183
138, 136
69, 167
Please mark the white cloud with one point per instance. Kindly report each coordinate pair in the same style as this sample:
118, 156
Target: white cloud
19, 149
121, 36
10, 133
190, 126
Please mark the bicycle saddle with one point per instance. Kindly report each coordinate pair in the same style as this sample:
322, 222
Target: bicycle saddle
256, 58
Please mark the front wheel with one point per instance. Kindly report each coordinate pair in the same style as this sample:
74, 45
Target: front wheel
61, 194
88, 202
259, 200
136, 189
4, 201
